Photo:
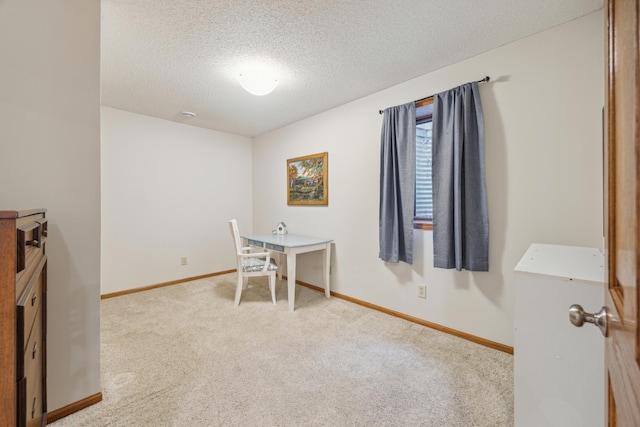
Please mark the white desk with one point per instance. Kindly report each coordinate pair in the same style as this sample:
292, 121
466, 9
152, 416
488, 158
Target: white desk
292, 245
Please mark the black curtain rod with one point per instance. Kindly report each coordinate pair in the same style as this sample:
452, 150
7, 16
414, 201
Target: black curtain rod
486, 79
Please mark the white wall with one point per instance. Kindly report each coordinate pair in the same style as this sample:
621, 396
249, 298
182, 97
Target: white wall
168, 190
49, 158
543, 118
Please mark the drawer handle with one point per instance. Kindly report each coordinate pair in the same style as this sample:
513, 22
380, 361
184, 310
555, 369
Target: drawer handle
33, 299
35, 348
33, 408
32, 242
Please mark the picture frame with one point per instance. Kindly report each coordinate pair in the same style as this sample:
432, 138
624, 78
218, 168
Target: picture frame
307, 180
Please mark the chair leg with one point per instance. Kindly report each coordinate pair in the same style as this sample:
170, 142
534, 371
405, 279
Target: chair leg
245, 283
272, 285
238, 290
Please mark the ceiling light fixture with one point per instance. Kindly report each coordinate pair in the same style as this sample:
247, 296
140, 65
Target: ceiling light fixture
258, 82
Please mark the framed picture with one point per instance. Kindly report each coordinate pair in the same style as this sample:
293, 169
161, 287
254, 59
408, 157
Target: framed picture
307, 180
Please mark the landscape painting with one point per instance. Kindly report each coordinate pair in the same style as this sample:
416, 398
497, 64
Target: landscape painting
307, 180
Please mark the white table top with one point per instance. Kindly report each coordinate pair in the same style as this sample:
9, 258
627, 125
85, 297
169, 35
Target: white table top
569, 262
288, 240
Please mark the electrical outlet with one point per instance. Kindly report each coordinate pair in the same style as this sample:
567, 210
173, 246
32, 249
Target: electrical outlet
183, 260
422, 291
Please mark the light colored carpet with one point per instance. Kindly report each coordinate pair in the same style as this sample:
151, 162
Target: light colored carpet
183, 355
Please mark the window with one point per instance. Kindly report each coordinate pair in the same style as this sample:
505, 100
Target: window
423, 214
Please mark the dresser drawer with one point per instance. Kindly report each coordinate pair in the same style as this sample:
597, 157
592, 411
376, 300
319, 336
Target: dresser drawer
34, 347
29, 303
32, 351
31, 399
30, 390
34, 398
31, 234
31, 259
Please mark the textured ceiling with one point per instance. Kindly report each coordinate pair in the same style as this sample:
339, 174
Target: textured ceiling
161, 57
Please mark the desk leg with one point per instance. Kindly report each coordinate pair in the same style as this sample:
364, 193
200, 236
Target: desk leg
279, 261
291, 279
327, 270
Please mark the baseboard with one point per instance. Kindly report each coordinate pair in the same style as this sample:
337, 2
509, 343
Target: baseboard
487, 343
73, 407
160, 285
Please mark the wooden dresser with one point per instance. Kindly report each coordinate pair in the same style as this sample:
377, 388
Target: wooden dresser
23, 318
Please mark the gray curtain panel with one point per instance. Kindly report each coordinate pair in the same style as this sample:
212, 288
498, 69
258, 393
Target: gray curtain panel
460, 213
397, 183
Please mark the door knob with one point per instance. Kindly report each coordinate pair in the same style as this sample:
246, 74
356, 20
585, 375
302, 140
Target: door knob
578, 317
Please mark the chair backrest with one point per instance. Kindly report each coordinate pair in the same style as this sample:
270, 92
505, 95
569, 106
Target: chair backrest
233, 226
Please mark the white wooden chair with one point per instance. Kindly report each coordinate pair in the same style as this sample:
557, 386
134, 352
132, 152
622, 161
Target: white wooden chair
250, 263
